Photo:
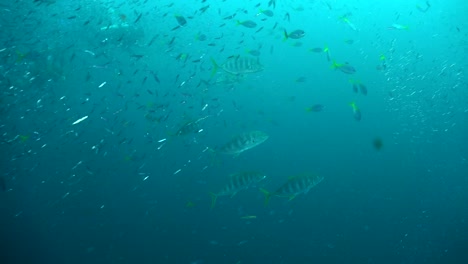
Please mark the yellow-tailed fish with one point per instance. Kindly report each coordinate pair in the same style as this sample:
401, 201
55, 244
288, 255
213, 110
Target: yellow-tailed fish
238, 182
295, 185
356, 111
243, 142
238, 65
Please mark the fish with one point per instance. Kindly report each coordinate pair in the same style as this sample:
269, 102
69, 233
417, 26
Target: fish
327, 51
243, 142
424, 10
348, 22
343, 67
247, 23
315, 108
249, 217
295, 185
356, 111
181, 20
398, 27
253, 52
377, 143
47, 2
230, 17
3, 185
267, 12
363, 89
201, 37
358, 86
138, 18
238, 65
238, 182
203, 9
316, 50
189, 127
296, 34
301, 79
272, 3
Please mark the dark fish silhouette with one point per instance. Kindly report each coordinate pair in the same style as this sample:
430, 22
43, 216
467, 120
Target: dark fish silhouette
3, 184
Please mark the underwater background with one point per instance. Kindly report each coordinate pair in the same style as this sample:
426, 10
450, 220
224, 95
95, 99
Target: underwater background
115, 115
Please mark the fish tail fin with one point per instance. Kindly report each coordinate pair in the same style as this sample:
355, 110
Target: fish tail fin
327, 51
215, 67
285, 35
215, 157
238, 22
267, 196
214, 197
334, 65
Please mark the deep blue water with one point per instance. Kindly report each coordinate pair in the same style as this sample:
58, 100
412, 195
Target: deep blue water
130, 183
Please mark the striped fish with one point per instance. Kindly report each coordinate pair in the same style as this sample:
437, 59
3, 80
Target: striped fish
243, 142
238, 65
295, 185
238, 182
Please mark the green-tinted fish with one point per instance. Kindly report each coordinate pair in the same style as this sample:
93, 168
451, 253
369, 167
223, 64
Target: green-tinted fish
315, 108
356, 111
200, 37
327, 51
344, 67
243, 142
295, 185
247, 23
267, 12
238, 182
238, 65
253, 52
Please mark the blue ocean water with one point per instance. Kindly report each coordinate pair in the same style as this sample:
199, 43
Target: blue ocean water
114, 115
